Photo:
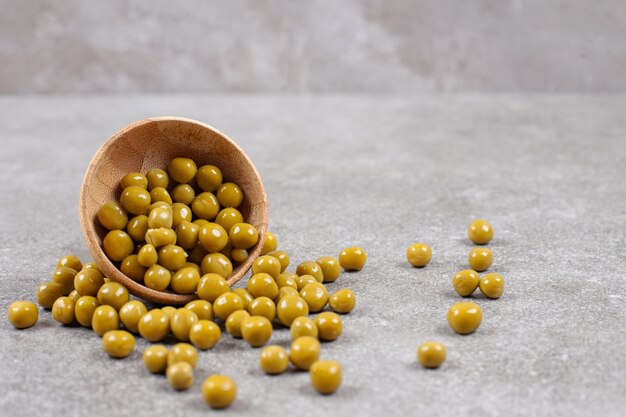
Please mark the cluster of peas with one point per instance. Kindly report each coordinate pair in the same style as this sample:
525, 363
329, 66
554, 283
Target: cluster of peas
81, 294
464, 317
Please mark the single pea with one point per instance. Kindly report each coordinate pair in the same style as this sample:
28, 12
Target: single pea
209, 178
274, 360
160, 217
131, 267
480, 232
155, 359
105, 318
202, 308
180, 376
135, 200
262, 306
233, 323
47, 294
270, 244
84, 309
419, 254
74, 295
187, 234
315, 295
205, 206
213, 237
182, 170
205, 334
169, 311
137, 227
465, 282
181, 323
71, 261
465, 317
181, 212
304, 352
283, 258
480, 259
147, 256
229, 195
329, 325
228, 217
256, 330
157, 277
262, 285
134, 179
226, 304
113, 294
182, 352
212, 286
159, 204
64, 276
172, 257
431, 354
239, 255
267, 264
112, 216
342, 301
185, 281
303, 280
118, 343
326, 376
310, 268
154, 326
88, 281
160, 237
157, 178
117, 245
183, 193
243, 235
23, 314
291, 307
131, 313
331, 270
216, 263
287, 279
63, 310
245, 296
284, 291
352, 259
219, 391
303, 326
160, 194
492, 285
91, 265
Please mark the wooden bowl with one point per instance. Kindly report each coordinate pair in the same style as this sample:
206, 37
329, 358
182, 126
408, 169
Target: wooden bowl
153, 143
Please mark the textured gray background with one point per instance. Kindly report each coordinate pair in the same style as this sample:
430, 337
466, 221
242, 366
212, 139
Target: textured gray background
78, 46
548, 172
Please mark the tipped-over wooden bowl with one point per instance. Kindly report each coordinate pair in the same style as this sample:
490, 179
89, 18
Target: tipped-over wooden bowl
153, 143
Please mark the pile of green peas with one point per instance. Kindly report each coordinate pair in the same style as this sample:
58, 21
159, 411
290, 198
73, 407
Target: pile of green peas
80, 294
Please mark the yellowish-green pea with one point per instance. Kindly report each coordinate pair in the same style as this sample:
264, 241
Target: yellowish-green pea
182, 170
160, 237
213, 237
209, 178
480, 232
205, 334
172, 257
205, 206
202, 308
326, 376
155, 359
131, 313
465, 282
74, 295
181, 212
137, 227
216, 263
135, 200
182, 352
274, 360
71, 261
228, 217
23, 314
112, 216
287, 279
352, 259
233, 323
160, 194
226, 304
243, 235
304, 352
283, 258
303, 280
267, 264
84, 309
147, 256
245, 296
196, 254
329, 325
480, 259
63, 310
181, 323
219, 391
342, 301
131, 267
157, 278
183, 193
291, 307
465, 317
154, 326
284, 291
303, 326
256, 330
47, 294
169, 311
262, 285
239, 255
117, 245
113, 294
105, 318
180, 375
270, 244
135, 179
492, 285
310, 268
331, 270
160, 217
419, 254
185, 281
229, 195
262, 306
64, 276
88, 281
431, 354
118, 343
315, 295
211, 286
187, 234
157, 178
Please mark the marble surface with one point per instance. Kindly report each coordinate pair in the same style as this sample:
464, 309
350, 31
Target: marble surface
379, 172
199, 46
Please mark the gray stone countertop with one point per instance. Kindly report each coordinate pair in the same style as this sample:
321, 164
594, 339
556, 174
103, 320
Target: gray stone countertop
549, 172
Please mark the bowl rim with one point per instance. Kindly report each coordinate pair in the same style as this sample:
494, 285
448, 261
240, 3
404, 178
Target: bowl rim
92, 239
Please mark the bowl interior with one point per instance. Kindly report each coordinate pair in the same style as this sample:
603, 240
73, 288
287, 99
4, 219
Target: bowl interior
152, 143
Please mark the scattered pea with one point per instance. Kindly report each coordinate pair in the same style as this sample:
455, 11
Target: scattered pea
465, 282
480, 232
480, 259
352, 259
303, 326
219, 391
205, 334
118, 343
326, 376
256, 330
431, 354
492, 285
274, 360
465, 317
23, 314
304, 352
182, 352
342, 301
155, 359
329, 325
180, 376
419, 254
